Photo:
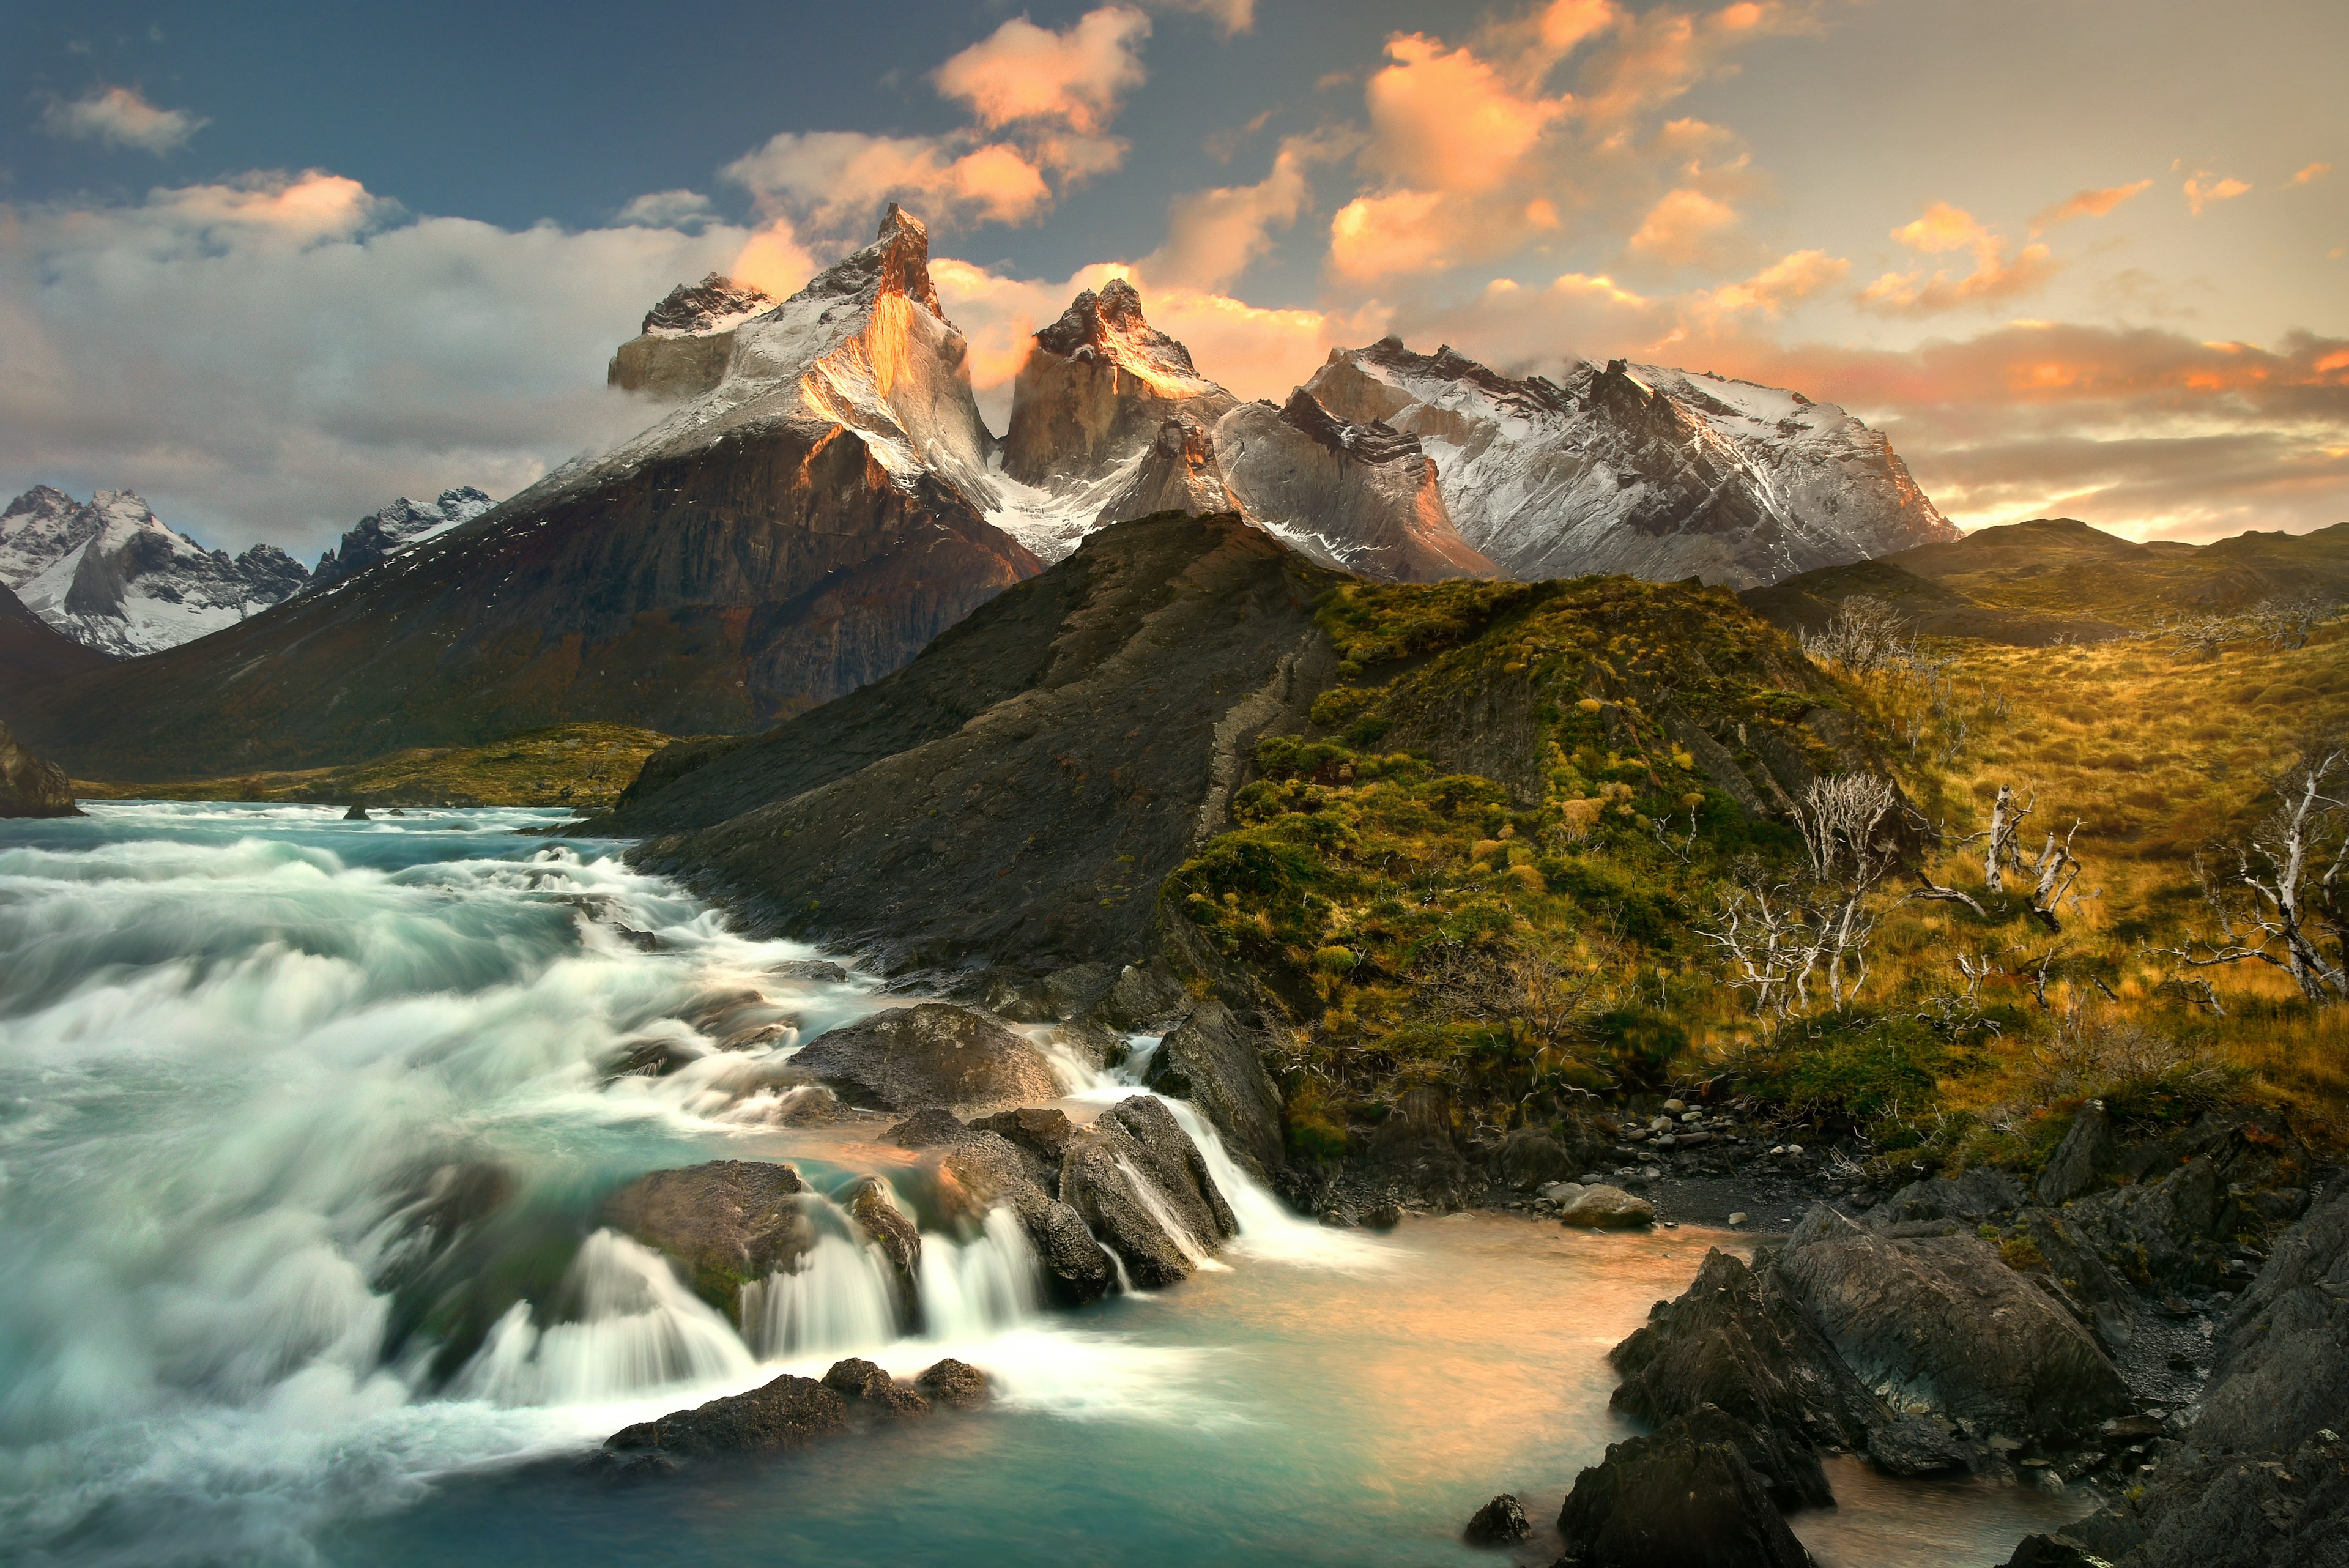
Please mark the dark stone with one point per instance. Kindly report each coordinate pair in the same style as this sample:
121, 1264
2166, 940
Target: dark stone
1139, 1183
1145, 996
2052, 1552
2162, 1234
2089, 1151
726, 1223
982, 1170
655, 1058
1498, 1522
932, 1054
1216, 1064
356, 814
1043, 1133
789, 1413
820, 971
1416, 1147
871, 1389
1683, 1497
928, 1129
1977, 1195
866, 1202
1944, 1323
954, 1384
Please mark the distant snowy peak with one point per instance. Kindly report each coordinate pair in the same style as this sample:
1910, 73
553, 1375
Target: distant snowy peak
1109, 326
1638, 468
385, 533
124, 581
716, 304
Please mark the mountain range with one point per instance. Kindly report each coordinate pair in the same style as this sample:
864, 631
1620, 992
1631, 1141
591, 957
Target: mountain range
823, 498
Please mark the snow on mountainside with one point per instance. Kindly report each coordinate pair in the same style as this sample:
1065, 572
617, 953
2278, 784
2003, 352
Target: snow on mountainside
112, 577
395, 528
1638, 469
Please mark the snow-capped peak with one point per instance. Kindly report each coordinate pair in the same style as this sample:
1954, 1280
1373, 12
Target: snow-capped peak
1110, 325
397, 526
716, 304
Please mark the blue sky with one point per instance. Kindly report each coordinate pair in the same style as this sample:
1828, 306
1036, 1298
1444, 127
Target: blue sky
272, 264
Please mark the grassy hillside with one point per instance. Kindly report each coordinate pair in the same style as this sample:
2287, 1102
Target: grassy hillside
584, 766
1494, 863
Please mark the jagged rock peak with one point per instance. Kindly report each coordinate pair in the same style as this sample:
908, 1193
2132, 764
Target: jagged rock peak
1449, 364
716, 304
897, 262
398, 525
1110, 325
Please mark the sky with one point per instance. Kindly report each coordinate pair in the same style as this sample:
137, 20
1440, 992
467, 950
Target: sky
272, 264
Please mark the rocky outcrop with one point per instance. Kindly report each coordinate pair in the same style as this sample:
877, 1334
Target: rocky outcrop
686, 339
29, 786
1215, 1062
1940, 1323
1603, 1208
978, 1171
793, 1413
112, 577
2262, 1478
2088, 1150
866, 1202
1015, 796
726, 1224
1638, 468
798, 532
1097, 387
1500, 1523
1417, 1147
1686, 1496
931, 1054
1140, 1185
380, 535
1360, 497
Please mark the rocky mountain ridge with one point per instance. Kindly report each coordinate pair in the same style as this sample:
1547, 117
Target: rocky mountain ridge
113, 576
381, 535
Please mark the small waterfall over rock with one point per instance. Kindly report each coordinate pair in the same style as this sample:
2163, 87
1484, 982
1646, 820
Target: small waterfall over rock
837, 1302
984, 1287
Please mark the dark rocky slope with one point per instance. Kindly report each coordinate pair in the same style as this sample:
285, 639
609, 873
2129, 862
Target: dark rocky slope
29, 786
33, 653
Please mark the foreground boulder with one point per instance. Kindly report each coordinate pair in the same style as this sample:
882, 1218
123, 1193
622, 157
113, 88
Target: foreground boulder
29, 786
867, 1203
933, 1055
1498, 1522
727, 1223
1683, 1497
1940, 1323
978, 1171
1736, 1340
792, 1413
1603, 1208
1143, 1187
1214, 1063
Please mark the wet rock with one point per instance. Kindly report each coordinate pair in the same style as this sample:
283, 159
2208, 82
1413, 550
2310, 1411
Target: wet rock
820, 971
1216, 1062
1139, 1182
2089, 1151
1498, 1523
356, 814
654, 1058
1531, 1157
928, 1129
981, 1170
726, 1223
1971, 1197
870, 1390
30, 786
1040, 1133
866, 1202
1144, 997
787, 1413
932, 1054
1683, 1497
1737, 1340
1604, 1207
1942, 1323
954, 1384
1417, 1147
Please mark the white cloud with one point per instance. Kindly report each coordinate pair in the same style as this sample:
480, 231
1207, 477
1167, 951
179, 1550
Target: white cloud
1229, 17
273, 357
667, 210
120, 117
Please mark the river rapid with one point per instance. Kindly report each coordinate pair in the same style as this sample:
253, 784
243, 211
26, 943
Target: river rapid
245, 1049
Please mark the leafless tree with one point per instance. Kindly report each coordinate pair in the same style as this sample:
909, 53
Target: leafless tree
2286, 901
1781, 935
1864, 635
2287, 621
2048, 874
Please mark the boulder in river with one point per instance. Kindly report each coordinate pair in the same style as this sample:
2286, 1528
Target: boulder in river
793, 1412
978, 1171
1604, 1207
954, 1384
1682, 1497
867, 1203
1214, 1060
932, 1054
1141, 1185
1500, 1523
1940, 1323
727, 1223
30, 786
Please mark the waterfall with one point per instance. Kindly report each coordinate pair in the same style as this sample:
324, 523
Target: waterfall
838, 1301
980, 1287
639, 1328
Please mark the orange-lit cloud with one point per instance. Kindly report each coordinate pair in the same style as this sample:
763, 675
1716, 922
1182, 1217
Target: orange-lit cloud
1682, 227
1442, 119
1023, 72
1212, 235
2311, 175
1996, 277
1375, 236
1785, 282
838, 179
300, 209
121, 117
773, 259
2089, 204
2199, 195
